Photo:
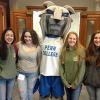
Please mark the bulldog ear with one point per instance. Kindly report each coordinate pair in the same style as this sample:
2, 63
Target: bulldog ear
70, 9
48, 3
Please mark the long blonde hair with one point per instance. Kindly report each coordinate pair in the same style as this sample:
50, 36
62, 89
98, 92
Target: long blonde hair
66, 40
66, 45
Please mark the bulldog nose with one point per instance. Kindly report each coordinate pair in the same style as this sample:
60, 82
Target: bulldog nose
56, 20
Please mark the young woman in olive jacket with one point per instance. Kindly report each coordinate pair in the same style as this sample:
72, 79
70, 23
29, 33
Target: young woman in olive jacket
72, 66
8, 69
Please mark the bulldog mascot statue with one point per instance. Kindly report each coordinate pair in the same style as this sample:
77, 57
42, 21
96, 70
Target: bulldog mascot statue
55, 22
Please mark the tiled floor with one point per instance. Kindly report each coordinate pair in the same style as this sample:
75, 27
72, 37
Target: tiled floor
83, 96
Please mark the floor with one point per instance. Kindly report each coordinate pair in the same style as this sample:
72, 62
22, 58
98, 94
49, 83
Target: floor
83, 96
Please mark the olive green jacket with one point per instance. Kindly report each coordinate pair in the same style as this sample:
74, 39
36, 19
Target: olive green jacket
72, 66
8, 67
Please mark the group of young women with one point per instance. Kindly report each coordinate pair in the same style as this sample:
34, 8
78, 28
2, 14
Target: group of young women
27, 52
77, 65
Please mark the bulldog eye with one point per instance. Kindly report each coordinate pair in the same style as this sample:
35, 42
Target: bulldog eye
49, 11
65, 14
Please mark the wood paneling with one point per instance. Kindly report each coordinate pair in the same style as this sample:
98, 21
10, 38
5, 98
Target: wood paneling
2, 18
19, 21
6, 11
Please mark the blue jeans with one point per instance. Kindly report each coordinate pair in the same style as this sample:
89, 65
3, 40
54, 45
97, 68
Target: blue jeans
73, 94
26, 85
6, 89
94, 93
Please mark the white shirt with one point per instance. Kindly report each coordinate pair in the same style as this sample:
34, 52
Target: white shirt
51, 50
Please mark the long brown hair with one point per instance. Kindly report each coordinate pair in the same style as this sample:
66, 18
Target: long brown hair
93, 52
3, 44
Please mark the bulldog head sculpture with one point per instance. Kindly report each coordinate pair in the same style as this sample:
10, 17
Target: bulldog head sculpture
55, 20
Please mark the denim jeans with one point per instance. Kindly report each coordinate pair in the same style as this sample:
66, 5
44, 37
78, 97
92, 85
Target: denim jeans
73, 94
6, 89
94, 93
26, 86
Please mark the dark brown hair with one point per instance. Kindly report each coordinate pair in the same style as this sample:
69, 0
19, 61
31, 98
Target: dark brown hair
35, 39
3, 44
93, 52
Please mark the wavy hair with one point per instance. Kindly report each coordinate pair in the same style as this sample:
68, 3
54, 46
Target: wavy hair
66, 44
35, 39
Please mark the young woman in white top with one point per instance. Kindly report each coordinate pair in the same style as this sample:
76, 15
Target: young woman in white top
28, 63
